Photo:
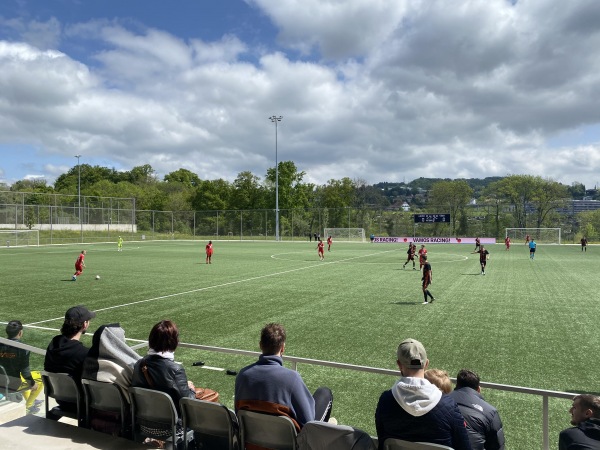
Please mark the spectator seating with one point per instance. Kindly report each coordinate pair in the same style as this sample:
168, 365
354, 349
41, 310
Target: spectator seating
266, 430
327, 436
106, 398
214, 424
61, 387
399, 444
153, 415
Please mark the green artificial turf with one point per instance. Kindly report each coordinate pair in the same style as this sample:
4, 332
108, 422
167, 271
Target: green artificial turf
525, 323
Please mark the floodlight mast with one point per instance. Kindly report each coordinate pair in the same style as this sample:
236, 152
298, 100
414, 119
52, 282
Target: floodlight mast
79, 193
275, 119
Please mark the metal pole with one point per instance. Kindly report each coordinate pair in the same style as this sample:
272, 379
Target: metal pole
79, 194
276, 119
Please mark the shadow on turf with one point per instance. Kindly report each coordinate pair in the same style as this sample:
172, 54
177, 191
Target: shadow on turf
405, 303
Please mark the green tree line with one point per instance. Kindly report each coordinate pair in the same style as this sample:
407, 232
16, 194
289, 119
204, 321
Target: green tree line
477, 206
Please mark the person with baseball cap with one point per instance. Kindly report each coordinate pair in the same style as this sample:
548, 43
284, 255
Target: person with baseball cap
66, 353
414, 409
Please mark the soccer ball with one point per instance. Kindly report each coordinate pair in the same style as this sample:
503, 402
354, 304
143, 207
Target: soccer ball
97, 277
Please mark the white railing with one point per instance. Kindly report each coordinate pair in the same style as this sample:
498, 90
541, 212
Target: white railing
546, 395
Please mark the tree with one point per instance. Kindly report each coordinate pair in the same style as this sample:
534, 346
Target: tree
548, 195
518, 190
211, 195
290, 184
184, 176
453, 195
142, 175
247, 192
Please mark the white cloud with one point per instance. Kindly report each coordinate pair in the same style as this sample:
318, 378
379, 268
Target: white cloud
409, 88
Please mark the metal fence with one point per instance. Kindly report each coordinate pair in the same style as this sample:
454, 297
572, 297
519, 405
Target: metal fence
94, 219
545, 395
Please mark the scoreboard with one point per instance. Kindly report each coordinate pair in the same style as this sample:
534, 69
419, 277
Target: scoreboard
432, 218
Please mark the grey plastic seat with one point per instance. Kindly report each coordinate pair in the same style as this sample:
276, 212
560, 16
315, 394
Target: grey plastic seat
62, 388
327, 436
153, 415
399, 444
266, 430
108, 397
215, 425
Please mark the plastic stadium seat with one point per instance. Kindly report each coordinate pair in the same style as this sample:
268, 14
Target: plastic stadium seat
62, 388
327, 436
398, 444
266, 430
153, 415
215, 425
107, 397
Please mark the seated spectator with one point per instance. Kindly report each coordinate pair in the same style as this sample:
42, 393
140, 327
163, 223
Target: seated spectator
414, 409
65, 353
483, 421
266, 386
159, 371
585, 418
110, 360
16, 364
439, 378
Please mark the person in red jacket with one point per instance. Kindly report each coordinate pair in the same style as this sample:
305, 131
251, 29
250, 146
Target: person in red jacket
329, 242
321, 249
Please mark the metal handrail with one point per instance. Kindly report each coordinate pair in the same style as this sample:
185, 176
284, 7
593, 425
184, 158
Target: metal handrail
294, 360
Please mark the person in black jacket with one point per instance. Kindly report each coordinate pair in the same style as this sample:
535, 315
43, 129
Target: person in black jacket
158, 369
484, 426
414, 409
65, 353
585, 418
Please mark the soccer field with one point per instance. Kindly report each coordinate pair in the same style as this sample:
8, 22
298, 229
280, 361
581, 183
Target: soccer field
525, 323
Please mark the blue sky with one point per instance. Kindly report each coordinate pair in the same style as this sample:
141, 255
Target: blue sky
374, 90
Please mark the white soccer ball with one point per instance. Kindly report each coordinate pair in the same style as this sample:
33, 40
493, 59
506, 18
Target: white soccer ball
97, 277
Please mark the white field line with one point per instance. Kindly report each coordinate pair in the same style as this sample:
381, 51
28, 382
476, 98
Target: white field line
231, 283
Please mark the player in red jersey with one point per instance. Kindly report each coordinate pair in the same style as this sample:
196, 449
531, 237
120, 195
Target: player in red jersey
507, 243
321, 249
422, 256
329, 242
79, 265
477, 244
209, 252
410, 255
526, 239
484, 255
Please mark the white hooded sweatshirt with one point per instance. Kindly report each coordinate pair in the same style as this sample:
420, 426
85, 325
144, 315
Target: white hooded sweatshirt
416, 396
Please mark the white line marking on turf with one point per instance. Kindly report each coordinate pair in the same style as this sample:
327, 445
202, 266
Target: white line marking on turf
231, 283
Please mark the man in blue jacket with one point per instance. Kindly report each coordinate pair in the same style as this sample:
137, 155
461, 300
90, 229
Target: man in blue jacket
483, 421
266, 386
414, 409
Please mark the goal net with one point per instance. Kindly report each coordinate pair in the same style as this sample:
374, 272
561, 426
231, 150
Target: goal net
19, 238
541, 235
345, 234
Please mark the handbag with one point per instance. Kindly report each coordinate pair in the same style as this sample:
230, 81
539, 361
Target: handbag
208, 395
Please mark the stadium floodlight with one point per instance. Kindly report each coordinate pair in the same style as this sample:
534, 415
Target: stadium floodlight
276, 119
79, 193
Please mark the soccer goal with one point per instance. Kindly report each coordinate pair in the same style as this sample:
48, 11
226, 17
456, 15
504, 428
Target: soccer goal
345, 234
541, 235
19, 238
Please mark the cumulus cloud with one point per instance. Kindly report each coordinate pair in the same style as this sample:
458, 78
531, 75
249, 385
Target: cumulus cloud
370, 89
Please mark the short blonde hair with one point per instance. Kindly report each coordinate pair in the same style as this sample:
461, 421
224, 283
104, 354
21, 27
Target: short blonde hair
440, 379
